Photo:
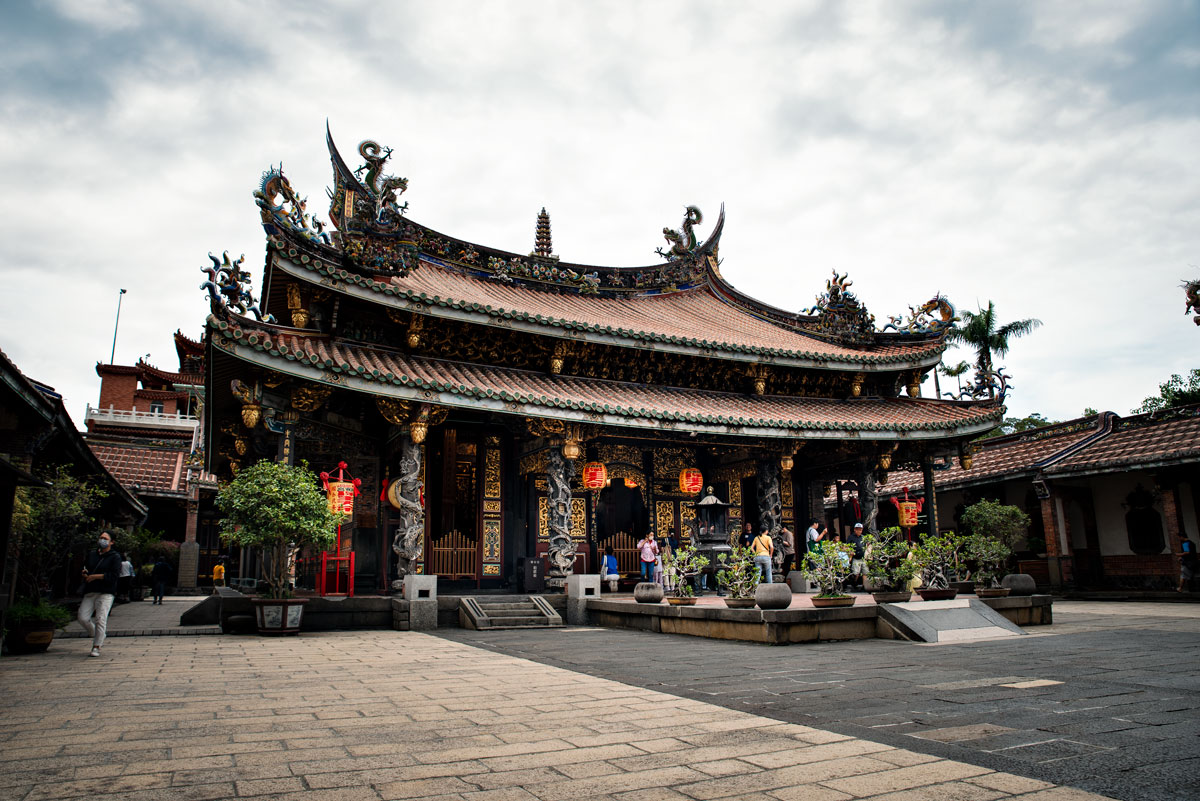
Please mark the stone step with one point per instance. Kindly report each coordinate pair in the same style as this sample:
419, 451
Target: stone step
507, 612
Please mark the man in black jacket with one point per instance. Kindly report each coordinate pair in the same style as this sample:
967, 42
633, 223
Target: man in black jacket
102, 568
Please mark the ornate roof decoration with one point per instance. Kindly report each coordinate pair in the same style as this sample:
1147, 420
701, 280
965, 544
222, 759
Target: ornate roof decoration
923, 321
1191, 290
989, 385
228, 287
683, 245
840, 314
543, 247
282, 207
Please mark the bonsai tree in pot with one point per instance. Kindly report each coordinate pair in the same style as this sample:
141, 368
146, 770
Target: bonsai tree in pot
738, 577
999, 522
278, 508
888, 564
989, 556
936, 558
680, 566
829, 568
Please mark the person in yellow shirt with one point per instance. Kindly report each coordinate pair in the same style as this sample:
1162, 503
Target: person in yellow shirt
219, 574
764, 549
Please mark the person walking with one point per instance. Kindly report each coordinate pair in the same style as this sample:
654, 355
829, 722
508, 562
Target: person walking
160, 574
219, 573
1187, 563
858, 560
101, 571
788, 549
648, 553
125, 581
764, 549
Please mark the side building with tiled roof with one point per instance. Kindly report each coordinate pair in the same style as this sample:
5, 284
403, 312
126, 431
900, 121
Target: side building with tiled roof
464, 384
146, 430
1109, 498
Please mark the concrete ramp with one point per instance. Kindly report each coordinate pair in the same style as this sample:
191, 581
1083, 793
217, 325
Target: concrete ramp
960, 620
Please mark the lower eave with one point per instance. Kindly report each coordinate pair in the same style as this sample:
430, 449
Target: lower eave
356, 286
507, 391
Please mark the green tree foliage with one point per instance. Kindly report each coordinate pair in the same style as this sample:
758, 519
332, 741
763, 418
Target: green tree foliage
982, 331
829, 568
887, 562
1006, 524
1012, 425
1176, 392
278, 508
52, 524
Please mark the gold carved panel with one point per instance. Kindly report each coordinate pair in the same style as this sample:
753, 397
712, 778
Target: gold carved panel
664, 515
491, 473
491, 506
620, 453
578, 519
735, 493
544, 519
491, 541
669, 461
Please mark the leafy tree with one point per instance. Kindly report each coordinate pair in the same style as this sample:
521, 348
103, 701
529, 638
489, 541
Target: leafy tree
956, 371
981, 330
1012, 425
278, 508
51, 524
1006, 524
1176, 392
1090, 412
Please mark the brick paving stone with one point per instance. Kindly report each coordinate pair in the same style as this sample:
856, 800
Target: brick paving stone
392, 715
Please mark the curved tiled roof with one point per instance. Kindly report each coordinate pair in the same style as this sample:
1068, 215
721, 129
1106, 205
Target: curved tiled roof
1145, 440
396, 374
695, 319
151, 470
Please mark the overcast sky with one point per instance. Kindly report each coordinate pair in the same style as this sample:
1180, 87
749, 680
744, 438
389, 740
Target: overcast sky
1040, 155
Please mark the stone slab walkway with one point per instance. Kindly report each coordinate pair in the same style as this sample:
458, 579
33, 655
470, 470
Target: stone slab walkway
143, 618
398, 715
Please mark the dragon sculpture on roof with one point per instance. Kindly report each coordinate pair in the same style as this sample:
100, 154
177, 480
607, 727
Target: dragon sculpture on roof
682, 244
1191, 290
933, 317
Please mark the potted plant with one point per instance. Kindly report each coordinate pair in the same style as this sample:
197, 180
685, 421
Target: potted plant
278, 508
989, 556
680, 567
738, 577
999, 522
31, 625
936, 558
829, 568
888, 565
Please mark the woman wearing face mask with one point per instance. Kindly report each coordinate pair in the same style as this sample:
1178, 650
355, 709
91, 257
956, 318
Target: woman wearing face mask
102, 568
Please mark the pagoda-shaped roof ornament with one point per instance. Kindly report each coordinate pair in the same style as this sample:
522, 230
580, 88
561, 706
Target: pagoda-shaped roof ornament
840, 315
543, 246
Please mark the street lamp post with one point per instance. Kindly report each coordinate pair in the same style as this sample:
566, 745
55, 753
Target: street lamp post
112, 355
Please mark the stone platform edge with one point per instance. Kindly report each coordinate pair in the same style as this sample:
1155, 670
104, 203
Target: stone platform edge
785, 626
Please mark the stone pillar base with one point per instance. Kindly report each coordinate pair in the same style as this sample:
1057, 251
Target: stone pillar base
422, 614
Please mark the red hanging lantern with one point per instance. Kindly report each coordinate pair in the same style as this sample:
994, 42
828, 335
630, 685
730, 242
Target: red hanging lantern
595, 475
691, 481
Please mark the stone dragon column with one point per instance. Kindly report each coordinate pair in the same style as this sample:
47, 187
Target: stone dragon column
559, 472
868, 497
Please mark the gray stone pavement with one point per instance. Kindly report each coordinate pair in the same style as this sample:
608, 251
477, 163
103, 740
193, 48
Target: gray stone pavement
389, 715
1107, 699
139, 618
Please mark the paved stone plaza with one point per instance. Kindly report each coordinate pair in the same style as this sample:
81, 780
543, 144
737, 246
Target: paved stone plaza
383, 715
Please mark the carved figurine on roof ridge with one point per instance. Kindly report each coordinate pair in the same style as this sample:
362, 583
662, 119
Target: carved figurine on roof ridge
923, 319
228, 287
682, 245
840, 314
290, 210
381, 187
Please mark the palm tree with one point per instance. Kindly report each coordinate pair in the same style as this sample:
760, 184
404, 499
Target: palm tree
956, 371
979, 330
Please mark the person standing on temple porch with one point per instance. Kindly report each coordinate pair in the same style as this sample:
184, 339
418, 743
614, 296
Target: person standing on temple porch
788, 549
648, 556
1187, 563
858, 561
746, 537
814, 535
667, 546
764, 549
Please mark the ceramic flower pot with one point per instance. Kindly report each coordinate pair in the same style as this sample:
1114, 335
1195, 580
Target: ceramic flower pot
673, 601
647, 592
278, 615
837, 600
892, 597
946, 594
739, 603
992, 592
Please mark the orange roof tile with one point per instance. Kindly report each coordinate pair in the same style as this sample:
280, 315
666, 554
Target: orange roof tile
143, 469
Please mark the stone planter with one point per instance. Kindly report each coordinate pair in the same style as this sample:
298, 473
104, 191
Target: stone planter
1019, 583
29, 637
739, 603
278, 615
892, 597
773, 596
647, 592
837, 600
946, 594
963, 586
674, 601
991, 592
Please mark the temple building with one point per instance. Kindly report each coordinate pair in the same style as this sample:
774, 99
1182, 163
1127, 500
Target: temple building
146, 432
501, 407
